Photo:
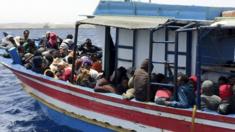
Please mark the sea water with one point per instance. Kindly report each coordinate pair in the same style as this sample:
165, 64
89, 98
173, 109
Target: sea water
19, 112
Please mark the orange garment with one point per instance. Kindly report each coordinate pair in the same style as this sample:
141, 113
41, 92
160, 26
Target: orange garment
97, 66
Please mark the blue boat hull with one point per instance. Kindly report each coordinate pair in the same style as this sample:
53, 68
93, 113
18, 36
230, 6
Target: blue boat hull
63, 119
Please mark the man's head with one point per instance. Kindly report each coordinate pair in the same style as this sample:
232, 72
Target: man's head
88, 43
144, 65
63, 49
26, 34
182, 79
207, 86
69, 36
87, 64
48, 35
222, 80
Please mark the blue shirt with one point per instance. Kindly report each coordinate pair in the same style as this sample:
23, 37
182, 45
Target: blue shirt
186, 97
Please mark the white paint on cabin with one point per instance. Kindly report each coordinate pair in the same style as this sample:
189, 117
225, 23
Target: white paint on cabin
142, 47
125, 39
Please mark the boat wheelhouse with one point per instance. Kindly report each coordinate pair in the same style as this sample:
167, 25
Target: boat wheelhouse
180, 44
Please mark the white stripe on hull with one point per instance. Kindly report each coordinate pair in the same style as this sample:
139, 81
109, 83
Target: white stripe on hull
147, 111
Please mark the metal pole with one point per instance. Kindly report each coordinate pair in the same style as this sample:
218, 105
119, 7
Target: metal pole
134, 45
198, 69
150, 64
74, 52
116, 54
189, 53
166, 50
176, 63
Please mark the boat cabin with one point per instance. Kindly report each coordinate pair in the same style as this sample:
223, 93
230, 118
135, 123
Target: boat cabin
169, 43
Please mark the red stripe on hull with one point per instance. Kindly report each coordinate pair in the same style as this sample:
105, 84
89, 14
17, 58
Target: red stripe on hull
220, 118
134, 116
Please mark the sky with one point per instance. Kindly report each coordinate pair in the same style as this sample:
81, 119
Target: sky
68, 11
43, 11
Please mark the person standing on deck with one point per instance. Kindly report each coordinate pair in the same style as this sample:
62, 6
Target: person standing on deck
69, 41
44, 40
87, 48
26, 36
52, 43
208, 99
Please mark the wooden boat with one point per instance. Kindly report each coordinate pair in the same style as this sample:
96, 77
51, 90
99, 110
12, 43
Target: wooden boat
83, 109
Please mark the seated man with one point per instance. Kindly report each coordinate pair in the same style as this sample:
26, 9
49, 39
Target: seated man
185, 94
87, 76
8, 42
63, 50
208, 99
87, 48
52, 43
64, 71
140, 81
232, 106
37, 64
225, 93
29, 46
69, 41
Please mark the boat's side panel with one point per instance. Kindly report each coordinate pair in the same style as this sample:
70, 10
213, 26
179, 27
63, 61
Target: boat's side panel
118, 114
89, 107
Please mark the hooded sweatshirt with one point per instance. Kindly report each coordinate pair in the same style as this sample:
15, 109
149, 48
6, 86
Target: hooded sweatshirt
141, 81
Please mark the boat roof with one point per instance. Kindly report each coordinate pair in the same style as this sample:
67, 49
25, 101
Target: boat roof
136, 22
127, 22
205, 3
224, 22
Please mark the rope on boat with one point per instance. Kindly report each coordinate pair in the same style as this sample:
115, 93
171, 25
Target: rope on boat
193, 118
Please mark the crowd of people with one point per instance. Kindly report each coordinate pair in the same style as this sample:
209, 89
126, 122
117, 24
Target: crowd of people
54, 57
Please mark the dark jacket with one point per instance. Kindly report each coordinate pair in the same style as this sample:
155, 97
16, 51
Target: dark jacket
185, 97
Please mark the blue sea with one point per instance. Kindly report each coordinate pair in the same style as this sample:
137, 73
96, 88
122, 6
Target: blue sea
18, 111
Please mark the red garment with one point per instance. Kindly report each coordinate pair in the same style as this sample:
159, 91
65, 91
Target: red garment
193, 78
66, 74
163, 93
225, 91
53, 39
